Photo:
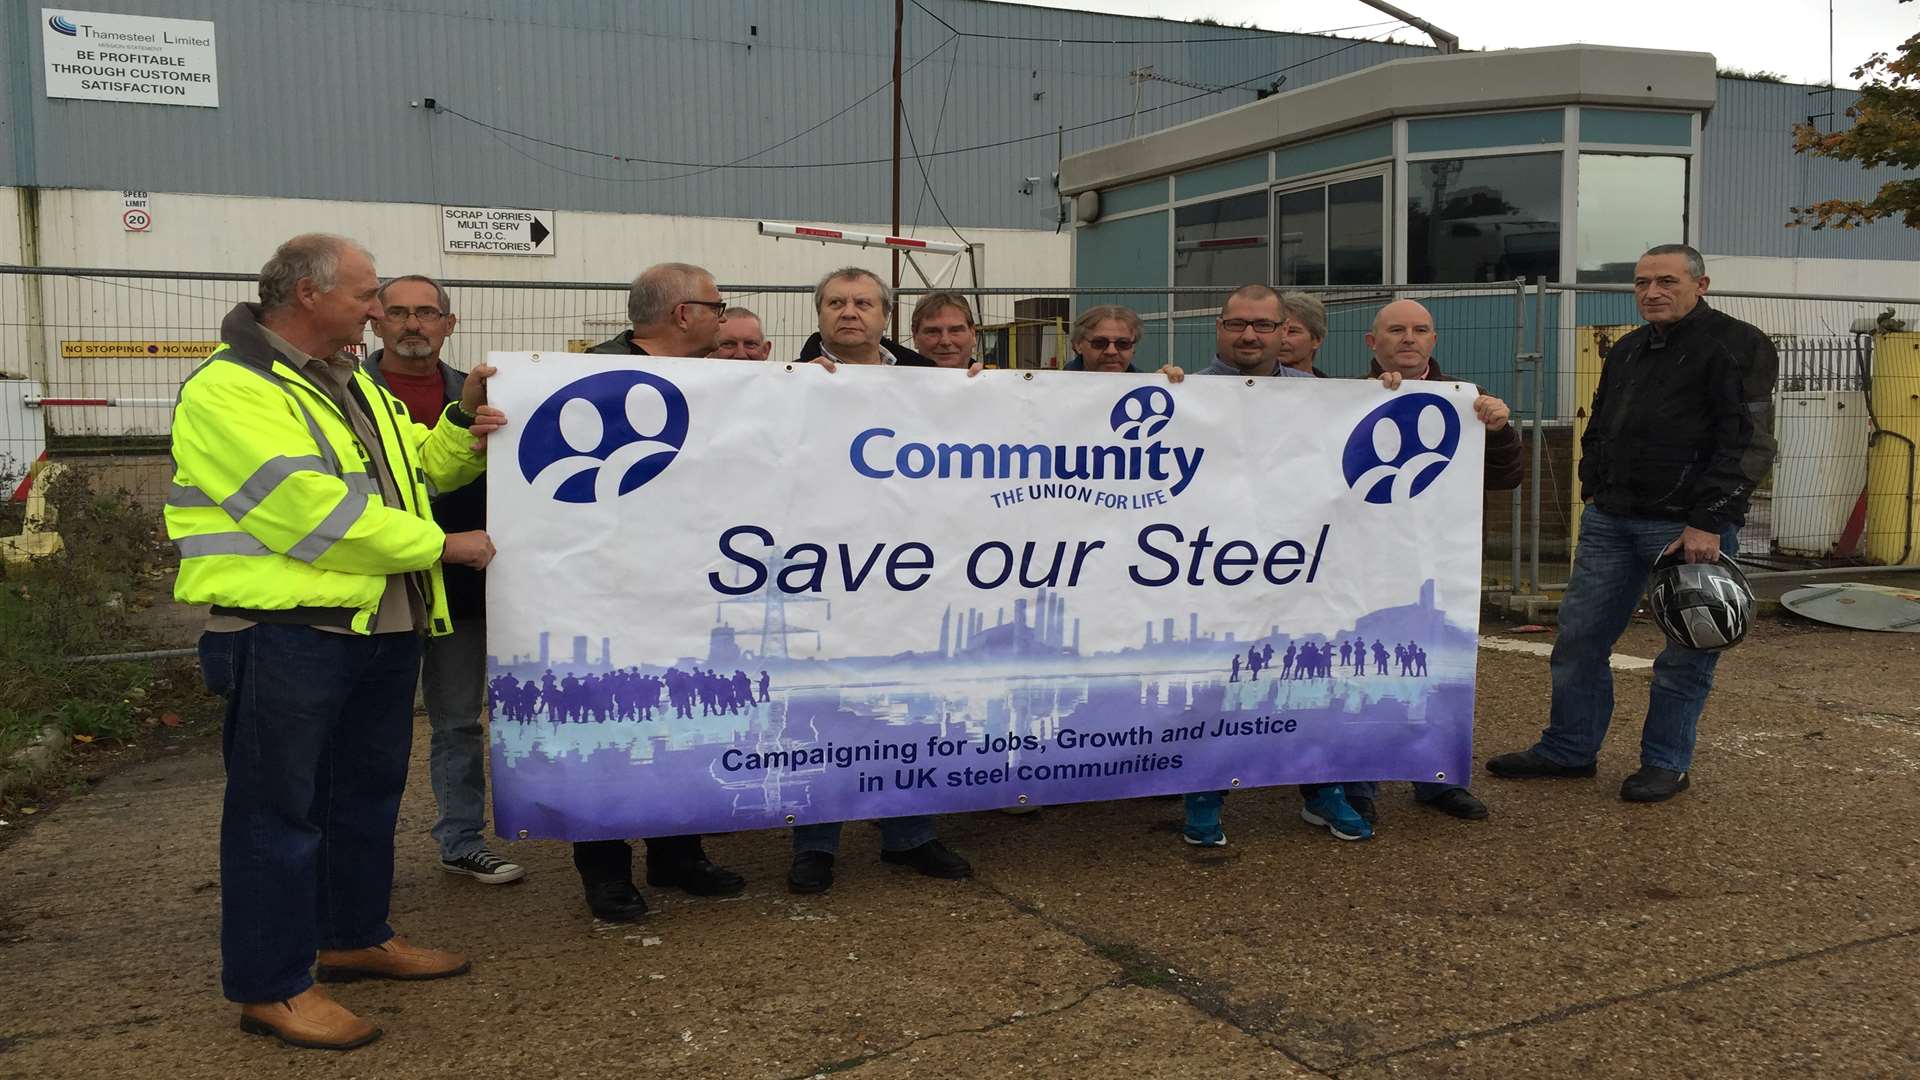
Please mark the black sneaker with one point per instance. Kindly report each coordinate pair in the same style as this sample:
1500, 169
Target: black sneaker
699, 877
1653, 784
485, 867
811, 872
1364, 807
1528, 765
932, 859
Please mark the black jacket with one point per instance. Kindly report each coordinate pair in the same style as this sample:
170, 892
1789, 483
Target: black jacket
1681, 427
463, 509
903, 356
1506, 462
621, 344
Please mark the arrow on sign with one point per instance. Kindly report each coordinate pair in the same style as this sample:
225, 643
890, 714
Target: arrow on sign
540, 232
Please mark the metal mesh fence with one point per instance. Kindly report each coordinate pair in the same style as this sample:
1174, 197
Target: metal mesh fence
1840, 487
106, 351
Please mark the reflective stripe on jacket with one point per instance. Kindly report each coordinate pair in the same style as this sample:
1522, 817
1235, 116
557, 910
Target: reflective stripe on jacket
273, 509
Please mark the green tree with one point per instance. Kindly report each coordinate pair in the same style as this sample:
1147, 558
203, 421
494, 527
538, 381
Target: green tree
1885, 132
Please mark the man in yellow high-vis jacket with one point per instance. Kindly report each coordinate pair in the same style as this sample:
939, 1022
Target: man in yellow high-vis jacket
300, 509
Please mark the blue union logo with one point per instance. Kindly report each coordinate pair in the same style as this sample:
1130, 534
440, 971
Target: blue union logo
1401, 448
1140, 414
603, 436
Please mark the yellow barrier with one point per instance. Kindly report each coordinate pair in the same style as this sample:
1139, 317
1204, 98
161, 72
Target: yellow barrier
37, 537
1590, 353
1891, 519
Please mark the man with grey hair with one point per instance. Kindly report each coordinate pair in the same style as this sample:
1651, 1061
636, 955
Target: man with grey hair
1677, 439
417, 318
741, 337
676, 310
854, 305
1303, 329
672, 304
301, 509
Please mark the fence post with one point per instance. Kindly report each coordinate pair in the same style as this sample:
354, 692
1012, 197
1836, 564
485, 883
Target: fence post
1539, 425
1519, 354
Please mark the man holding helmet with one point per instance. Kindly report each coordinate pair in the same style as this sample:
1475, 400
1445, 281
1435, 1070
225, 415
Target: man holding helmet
1677, 439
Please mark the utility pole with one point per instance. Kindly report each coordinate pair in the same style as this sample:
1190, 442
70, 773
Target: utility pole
1139, 76
1446, 43
899, 19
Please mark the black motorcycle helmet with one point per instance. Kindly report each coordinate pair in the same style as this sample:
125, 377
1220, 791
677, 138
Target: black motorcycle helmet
1700, 605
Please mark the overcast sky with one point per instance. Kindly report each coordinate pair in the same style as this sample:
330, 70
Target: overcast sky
1784, 36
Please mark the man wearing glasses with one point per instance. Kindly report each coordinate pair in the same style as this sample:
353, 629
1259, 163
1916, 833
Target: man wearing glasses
1103, 339
676, 310
417, 317
675, 307
1247, 336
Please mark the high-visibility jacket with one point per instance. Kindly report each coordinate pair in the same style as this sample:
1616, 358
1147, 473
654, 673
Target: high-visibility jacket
273, 509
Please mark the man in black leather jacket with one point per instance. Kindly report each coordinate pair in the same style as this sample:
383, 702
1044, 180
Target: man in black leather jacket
1678, 437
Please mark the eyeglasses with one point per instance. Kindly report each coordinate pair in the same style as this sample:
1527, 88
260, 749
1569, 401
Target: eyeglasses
1239, 326
718, 307
424, 314
1101, 344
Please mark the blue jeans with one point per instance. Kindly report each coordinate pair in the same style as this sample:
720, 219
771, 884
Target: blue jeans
316, 739
1610, 570
896, 834
453, 680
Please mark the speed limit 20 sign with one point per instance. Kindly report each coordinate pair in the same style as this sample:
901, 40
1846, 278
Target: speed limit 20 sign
136, 217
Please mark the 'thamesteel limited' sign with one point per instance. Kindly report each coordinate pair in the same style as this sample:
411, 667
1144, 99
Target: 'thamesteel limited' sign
99, 56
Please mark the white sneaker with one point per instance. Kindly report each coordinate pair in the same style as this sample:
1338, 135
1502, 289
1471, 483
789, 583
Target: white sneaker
485, 867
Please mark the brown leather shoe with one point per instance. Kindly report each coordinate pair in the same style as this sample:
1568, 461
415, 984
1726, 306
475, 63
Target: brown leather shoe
391, 959
309, 1019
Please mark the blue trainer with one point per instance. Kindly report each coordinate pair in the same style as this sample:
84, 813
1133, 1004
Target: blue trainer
1329, 809
1203, 821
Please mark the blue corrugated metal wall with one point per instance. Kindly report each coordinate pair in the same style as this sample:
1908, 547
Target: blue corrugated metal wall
1752, 177
314, 102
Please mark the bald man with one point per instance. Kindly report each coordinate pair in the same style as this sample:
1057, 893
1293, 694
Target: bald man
1402, 340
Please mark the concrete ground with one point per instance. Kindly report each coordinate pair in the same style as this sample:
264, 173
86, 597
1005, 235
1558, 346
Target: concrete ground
1762, 924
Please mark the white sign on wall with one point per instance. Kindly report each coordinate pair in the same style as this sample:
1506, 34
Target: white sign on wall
99, 56
486, 230
136, 215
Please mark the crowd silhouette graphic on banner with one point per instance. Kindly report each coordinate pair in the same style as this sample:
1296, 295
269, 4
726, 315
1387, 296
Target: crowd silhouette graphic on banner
1309, 661
624, 694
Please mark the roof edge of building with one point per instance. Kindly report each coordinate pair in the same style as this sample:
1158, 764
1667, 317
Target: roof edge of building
1420, 85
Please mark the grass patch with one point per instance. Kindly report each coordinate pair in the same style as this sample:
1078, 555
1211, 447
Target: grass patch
73, 604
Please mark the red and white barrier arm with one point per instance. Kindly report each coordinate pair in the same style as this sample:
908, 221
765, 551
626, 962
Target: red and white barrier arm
781, 231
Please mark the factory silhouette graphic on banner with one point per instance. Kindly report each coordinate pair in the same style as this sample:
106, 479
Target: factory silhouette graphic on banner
736, 734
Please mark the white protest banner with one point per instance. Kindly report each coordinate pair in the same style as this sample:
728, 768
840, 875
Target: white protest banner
732, 595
